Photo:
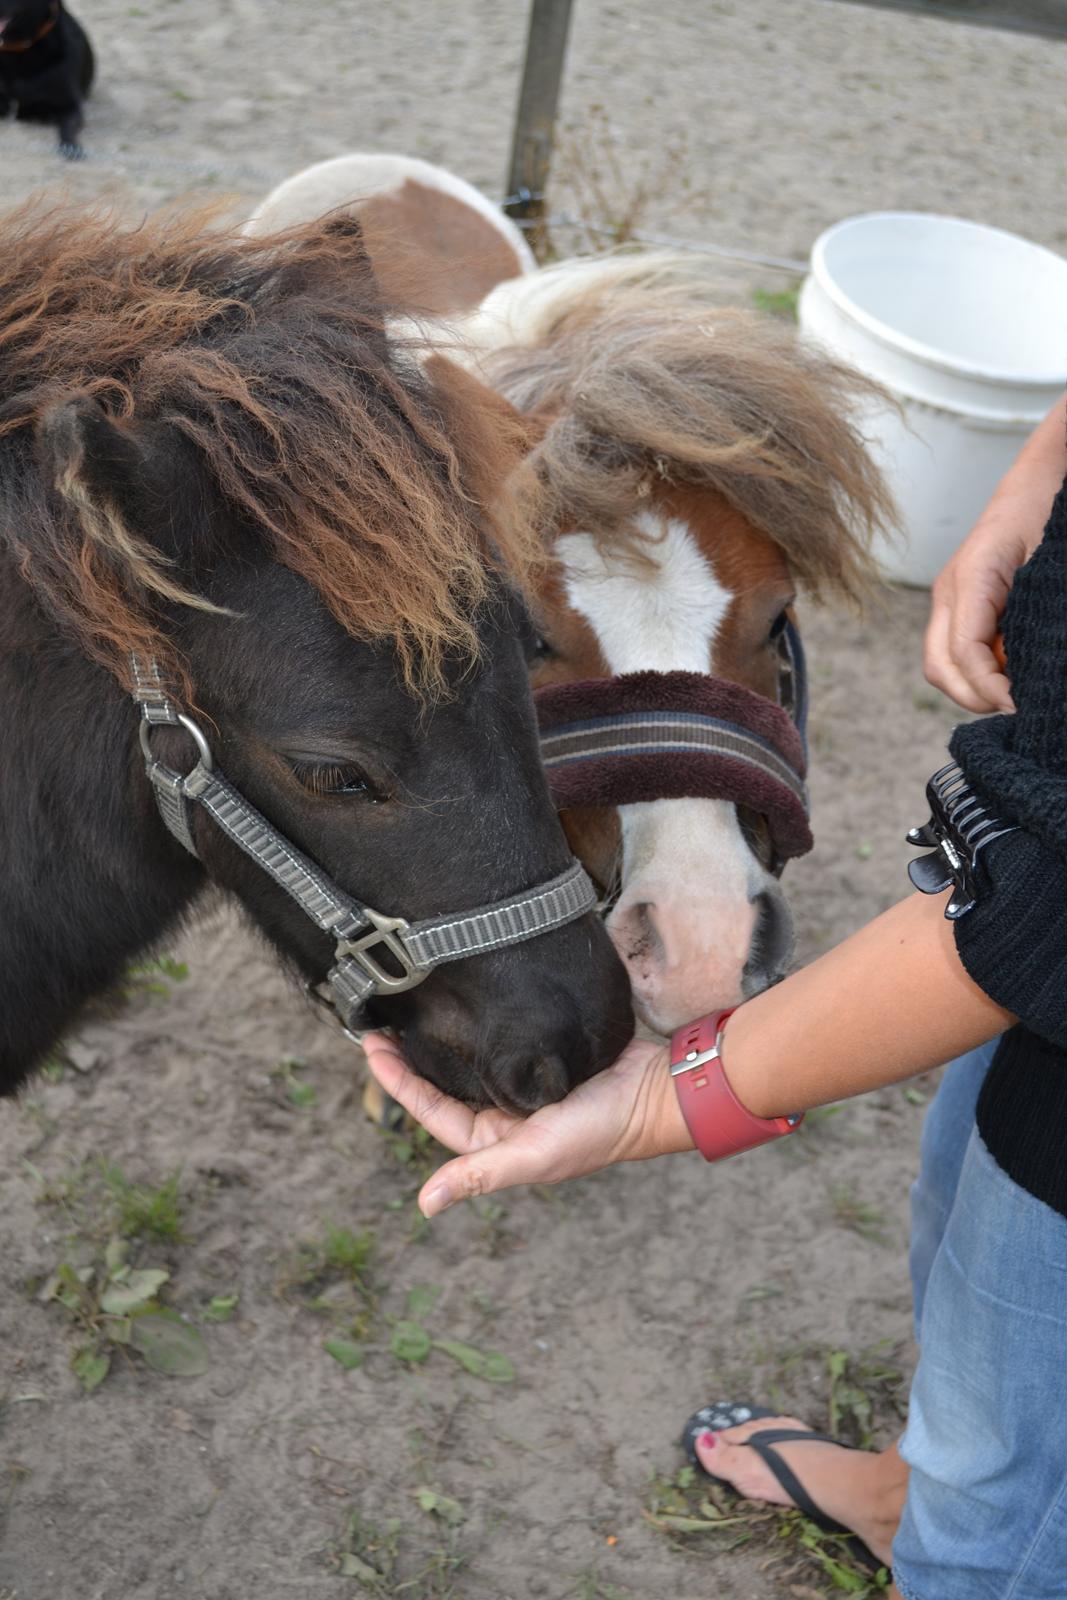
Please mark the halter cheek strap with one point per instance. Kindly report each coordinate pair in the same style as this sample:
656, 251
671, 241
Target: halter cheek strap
370, 946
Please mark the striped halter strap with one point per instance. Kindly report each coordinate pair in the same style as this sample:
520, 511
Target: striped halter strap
673, 735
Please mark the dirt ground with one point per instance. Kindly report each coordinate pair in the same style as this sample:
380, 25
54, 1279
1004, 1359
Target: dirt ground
622, 1301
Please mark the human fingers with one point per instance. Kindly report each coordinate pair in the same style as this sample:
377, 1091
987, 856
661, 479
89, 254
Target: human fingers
974, 626
447, 1120
939, 662
615, 1116
519, 1158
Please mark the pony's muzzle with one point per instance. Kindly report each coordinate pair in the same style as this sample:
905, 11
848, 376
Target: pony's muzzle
519, 1028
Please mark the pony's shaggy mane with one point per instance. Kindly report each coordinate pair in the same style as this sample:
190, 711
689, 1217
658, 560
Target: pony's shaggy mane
648, 383
363, 472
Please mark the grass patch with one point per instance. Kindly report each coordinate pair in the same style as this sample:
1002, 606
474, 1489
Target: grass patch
144, 1212
778, 302
854, 1214
115, 1309
151, 979
862, 1394
333, 1277
689, 1510
390, 1560
862, 1387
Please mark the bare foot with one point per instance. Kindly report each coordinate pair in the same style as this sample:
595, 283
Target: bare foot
861, 1489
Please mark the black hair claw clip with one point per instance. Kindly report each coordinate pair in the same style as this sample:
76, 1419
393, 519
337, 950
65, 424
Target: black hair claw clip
959, 829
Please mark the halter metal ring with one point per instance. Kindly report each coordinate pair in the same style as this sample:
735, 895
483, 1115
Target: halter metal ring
388, 933
193, 729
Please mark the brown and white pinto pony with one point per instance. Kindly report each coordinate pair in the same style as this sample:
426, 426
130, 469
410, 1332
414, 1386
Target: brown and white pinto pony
704, 467
438, 245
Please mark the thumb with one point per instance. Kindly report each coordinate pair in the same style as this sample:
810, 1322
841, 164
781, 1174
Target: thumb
502, 1165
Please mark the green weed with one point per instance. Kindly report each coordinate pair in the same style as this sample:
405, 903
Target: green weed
145, 1212
115, 1307
863, 1395
862, 1387
778, 302
333, 1276
854, 1214
412, 1344
299, 1092
152, 978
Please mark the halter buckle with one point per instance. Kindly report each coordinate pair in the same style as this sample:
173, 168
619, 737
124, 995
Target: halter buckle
388, 934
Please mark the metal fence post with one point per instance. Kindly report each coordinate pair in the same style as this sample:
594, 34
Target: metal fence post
531, 150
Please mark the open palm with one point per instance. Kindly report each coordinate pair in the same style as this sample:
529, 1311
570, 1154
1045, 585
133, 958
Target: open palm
625, 1113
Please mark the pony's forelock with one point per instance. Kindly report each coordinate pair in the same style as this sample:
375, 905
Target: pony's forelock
649, 383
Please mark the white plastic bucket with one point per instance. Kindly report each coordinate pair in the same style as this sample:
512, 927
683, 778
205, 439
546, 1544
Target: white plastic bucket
967, 326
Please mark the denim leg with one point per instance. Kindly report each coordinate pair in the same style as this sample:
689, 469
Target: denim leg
986, 1511
945, 1136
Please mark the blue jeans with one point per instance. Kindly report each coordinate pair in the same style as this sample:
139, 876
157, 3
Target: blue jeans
986, 1511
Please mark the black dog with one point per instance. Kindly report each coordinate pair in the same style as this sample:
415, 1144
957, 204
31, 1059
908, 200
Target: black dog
46, 67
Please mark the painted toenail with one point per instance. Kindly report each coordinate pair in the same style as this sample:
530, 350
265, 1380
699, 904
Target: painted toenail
708, 1441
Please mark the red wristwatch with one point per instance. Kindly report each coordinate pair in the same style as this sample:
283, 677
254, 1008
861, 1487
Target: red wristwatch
714, 1115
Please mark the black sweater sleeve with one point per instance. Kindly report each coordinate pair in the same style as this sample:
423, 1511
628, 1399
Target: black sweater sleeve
1014, 943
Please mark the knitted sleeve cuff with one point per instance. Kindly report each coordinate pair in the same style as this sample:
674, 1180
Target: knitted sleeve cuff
1014, 942
1017, 787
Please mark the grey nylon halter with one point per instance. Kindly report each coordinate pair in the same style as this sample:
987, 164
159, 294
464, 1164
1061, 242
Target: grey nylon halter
359, 931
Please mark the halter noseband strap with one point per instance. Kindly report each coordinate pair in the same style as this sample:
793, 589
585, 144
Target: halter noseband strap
363, 936
671, 735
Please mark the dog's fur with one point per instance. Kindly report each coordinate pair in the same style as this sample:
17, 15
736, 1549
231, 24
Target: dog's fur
46, 67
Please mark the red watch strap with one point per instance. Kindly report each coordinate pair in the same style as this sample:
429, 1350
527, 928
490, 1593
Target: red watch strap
718, 1122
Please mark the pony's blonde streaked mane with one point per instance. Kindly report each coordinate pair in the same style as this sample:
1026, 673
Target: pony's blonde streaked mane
378, 481
650, 380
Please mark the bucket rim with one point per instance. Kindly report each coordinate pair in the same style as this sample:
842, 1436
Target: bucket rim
892, 338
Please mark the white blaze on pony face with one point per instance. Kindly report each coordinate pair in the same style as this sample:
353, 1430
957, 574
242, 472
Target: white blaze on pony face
692, 890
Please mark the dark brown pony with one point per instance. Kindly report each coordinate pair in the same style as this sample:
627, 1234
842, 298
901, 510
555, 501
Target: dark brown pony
212, 456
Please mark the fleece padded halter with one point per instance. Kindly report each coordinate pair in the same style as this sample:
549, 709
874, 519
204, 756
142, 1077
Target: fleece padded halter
674, 735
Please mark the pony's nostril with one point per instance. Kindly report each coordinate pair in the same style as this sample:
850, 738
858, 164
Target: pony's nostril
636, 934
538, 1081
772, 944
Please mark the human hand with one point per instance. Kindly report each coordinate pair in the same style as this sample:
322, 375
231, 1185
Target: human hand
961, 652
970, 594
626, 1113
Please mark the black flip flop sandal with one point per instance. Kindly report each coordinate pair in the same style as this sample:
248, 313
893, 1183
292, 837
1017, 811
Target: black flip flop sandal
727, 1414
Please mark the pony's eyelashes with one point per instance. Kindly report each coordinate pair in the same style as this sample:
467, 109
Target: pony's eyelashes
336, 780
778, 626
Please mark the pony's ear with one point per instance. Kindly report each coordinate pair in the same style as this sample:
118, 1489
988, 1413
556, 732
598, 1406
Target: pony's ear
328, 253
113, 477
327, 259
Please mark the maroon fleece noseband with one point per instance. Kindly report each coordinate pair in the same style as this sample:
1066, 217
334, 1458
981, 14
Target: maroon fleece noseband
670, 735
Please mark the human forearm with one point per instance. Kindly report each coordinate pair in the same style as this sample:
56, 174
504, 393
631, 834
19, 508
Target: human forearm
1035, 476
890, 1001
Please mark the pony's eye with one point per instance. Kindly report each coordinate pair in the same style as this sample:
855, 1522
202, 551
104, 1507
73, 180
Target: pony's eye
541, 648
333, 779
778, 626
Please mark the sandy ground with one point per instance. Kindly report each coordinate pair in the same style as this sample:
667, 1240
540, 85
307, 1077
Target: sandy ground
624, 1300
